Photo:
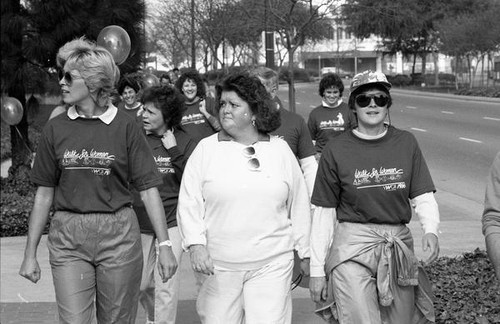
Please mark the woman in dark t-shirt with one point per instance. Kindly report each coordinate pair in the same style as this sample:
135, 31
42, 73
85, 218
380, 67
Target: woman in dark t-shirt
87, 160
368, 180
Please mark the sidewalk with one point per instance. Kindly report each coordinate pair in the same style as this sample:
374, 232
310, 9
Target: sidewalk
22, 302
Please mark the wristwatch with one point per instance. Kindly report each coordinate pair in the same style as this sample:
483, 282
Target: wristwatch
165, 243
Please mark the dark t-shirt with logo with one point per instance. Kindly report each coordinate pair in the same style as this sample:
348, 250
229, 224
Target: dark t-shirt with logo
325, 123
193, 121
170, 164
92, 164
371, 181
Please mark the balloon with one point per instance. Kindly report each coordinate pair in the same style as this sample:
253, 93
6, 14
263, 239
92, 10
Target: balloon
150, 80
12, 111
116, 40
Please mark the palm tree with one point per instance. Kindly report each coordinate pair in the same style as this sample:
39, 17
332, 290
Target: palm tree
31, 33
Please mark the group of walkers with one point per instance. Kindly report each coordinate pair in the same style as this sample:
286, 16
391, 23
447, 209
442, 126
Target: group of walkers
236, 182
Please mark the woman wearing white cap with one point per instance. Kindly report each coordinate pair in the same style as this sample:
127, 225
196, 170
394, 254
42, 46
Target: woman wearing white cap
363, 269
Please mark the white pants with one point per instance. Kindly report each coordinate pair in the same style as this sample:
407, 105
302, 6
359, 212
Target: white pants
165, 296
251, 297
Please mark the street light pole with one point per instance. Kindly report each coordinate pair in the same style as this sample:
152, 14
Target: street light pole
193, 47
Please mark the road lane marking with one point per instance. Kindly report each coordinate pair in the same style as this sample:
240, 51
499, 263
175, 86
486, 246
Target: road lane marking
298, 103
419, 129
469, 140
411, 107
447, 112
312, 106
491, 118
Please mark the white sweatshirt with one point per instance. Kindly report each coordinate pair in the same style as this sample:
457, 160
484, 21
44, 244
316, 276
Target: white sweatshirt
243, 216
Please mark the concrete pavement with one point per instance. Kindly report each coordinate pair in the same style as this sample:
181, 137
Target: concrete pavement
23, 302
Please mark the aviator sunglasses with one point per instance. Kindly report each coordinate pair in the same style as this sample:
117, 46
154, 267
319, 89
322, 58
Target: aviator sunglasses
253, 162
363, 100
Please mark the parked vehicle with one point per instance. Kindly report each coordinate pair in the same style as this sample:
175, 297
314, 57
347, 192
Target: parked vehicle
340, 72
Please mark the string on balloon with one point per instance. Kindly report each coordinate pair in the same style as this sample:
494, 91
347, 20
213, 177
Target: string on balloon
23, 139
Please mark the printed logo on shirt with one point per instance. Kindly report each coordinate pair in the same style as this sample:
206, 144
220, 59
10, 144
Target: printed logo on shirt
193, 119
164, 164
387, 179
97, 162
334, 124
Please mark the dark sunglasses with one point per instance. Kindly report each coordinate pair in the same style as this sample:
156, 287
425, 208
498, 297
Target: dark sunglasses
68, 78
253, 162
363, 100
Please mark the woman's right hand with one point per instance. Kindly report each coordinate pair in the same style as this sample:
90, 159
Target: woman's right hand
30, 269
201, 260
317, 288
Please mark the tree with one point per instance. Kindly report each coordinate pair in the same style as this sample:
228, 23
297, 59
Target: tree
405, 26
472, 35
32, 32
295, 21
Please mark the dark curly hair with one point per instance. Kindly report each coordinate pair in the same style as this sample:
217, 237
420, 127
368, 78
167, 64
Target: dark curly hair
165, 76
252, 91
330, 80
169, 101
196, 78
128, 81
366, 87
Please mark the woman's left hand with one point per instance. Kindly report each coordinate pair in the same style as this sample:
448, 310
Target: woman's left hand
167, 264
430, 242
168, 139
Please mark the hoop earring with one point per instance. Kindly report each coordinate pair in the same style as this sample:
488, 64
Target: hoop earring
253, 122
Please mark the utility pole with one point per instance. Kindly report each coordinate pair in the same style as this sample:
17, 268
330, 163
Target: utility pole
268, 40
193, 47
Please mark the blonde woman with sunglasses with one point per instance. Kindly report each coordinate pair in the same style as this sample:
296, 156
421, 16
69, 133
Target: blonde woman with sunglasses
363, 269
86, 161
243, 208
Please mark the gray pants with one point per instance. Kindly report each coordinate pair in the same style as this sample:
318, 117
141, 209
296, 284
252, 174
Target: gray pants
96, 257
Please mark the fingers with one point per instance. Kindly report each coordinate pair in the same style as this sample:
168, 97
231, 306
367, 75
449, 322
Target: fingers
201, 260
324, 294
430, 243
167, 271
205, 267
434, 253
30, 270
317, 288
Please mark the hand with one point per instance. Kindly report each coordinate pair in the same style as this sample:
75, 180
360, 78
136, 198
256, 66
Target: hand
430, 242
203, 107
201, 260
167, 264
30, 269
168, 140
305, 267
317, 288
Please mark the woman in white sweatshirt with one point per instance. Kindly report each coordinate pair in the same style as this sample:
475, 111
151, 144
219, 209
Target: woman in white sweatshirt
243, 208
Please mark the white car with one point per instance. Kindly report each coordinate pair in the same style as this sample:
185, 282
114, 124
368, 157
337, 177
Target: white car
332, 69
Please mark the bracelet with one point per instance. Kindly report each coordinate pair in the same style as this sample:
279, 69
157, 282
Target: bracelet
165, 243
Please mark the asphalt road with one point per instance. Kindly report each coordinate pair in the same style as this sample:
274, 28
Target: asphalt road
459, 139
